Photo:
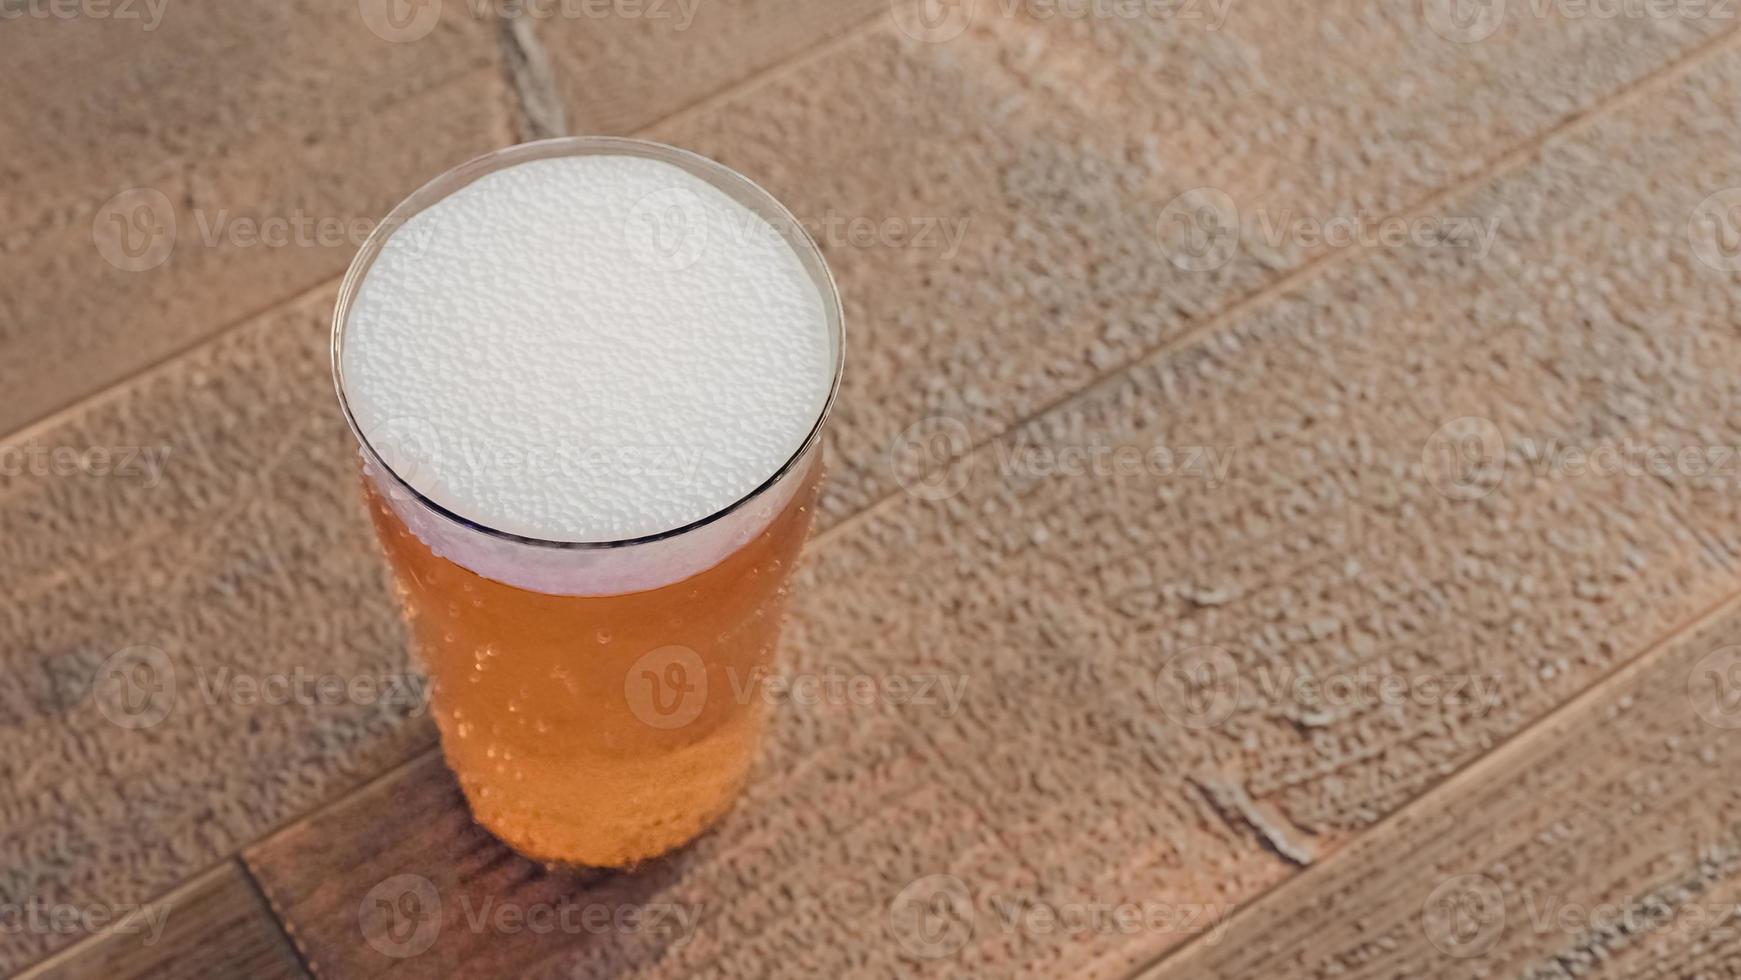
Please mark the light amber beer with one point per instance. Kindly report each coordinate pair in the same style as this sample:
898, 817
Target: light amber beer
598, 730
590, 606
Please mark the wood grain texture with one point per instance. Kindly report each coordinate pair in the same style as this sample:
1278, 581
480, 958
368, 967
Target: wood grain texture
218, 560
161, 184
1314, 549
213, 926
621, 66
217, 542
1370, 619
1027, 170
1605, 842
1602, 842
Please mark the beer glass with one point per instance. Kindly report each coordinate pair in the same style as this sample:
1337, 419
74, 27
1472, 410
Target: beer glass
595, 699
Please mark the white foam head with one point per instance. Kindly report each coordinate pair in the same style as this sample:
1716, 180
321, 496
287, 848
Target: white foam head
587, 347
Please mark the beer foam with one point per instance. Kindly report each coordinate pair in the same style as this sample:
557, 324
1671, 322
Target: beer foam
586, 349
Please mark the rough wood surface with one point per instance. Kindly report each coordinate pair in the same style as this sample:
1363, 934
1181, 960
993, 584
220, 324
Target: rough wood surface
217, 543
1317, 515
162, 184
1371, 618
1605, 843
213, 926
619, 67
1045, 156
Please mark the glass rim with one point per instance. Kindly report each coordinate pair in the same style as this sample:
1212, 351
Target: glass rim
740, 188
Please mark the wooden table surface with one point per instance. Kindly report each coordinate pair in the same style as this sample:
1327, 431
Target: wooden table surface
1295, 442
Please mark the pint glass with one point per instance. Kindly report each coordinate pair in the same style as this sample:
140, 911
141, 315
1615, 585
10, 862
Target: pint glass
591, 695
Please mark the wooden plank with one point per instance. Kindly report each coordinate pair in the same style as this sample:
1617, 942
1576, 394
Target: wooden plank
217, 542
213, 926
622, 65
219, 559
1372, 617
1603, 842
251, 148
253, 523
1024, 168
